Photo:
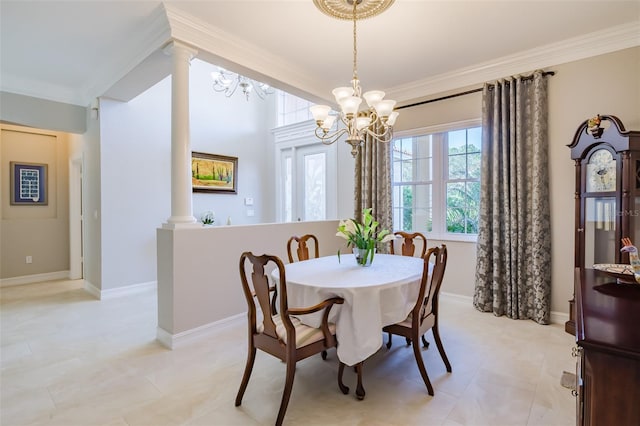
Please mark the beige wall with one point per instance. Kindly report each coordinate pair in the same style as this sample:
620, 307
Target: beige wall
605, 84
38, 231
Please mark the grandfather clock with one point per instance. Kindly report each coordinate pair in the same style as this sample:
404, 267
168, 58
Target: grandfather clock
607, 196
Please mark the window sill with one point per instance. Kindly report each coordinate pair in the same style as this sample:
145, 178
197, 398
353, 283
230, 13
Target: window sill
452, 237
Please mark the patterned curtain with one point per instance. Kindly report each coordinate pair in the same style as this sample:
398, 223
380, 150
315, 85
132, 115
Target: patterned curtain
373, 184
513, 270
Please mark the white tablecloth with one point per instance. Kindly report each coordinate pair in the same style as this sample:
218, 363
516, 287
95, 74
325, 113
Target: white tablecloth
374, 296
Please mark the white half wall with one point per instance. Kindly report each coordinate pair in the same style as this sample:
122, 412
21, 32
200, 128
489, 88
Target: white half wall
198, 272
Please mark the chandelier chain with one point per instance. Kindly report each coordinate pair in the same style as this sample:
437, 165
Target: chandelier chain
355, 47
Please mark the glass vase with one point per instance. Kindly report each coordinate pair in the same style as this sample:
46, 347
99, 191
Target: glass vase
364, 257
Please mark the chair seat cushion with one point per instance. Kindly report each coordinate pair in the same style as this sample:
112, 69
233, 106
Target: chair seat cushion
426, 324
305, 335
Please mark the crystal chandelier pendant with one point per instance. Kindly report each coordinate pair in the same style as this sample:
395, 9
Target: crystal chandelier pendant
378, 120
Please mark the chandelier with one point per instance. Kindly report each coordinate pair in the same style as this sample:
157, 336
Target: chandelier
378, 120
228, 82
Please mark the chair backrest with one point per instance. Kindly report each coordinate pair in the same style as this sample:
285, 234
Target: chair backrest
430, 284
259, 289
408, 243
302, 250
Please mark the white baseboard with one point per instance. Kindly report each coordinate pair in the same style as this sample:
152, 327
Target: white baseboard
458, 298
559, 317
173, 341
112, 293
555, 317
35, 278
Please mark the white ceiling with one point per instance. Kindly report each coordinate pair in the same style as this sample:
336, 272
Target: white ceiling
74, 51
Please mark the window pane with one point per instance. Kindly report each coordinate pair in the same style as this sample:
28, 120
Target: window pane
474, 139
314, 187
457, 166
457, 141
473, 164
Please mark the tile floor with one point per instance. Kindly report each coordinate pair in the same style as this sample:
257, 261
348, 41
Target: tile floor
70, 360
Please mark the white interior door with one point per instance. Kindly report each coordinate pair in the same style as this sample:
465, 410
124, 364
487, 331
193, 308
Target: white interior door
308, 183
311, 177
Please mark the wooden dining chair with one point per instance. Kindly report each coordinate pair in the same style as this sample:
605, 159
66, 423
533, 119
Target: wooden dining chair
281, 335
408, 243
424, 315
302, 250
409, 249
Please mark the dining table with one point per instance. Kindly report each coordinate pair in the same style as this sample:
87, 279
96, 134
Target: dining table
375, 296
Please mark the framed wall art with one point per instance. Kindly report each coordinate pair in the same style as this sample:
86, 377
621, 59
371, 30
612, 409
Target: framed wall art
28, 184
214, 173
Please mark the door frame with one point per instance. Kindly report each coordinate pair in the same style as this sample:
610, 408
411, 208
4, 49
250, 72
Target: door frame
76, 223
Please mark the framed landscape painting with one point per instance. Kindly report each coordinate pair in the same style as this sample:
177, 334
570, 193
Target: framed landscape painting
214, 173
28, 184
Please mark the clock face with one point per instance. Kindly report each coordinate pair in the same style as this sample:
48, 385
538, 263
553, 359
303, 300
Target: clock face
601, 172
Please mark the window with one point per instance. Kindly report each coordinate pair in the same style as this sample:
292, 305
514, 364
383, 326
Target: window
436, 180
292, 109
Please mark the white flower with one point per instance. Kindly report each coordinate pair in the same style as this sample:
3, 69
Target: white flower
208, 217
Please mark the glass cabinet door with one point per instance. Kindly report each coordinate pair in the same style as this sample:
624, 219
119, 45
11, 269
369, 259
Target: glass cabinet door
600, 243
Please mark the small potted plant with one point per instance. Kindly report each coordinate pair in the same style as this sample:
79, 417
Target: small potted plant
208, 218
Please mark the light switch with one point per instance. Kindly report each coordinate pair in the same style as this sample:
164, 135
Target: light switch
250, 212
248, 202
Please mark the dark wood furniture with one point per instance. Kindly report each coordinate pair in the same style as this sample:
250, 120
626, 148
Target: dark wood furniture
408, 243
280, 335
424, 316
302, 251
608, 339
607, 193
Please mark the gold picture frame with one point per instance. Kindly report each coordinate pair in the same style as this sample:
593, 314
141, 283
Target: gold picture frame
214, 173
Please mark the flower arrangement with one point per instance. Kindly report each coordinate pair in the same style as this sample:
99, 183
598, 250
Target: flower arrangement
593, 126
594, 122
208, 217
363, 236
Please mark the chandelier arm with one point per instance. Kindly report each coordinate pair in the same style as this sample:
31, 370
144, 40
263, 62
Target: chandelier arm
329, 138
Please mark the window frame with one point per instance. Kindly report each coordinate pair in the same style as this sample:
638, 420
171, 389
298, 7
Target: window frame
439, 181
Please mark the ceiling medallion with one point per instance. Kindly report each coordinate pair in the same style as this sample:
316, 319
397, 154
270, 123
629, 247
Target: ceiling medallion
343, 9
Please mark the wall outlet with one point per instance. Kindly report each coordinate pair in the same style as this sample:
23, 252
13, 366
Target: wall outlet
28, 259
250, 212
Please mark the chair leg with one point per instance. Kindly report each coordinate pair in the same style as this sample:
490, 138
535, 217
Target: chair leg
436, 337
251, 357
389, 342
424, 342
344, 389
324, 354
359, 389
286, 394
420, 362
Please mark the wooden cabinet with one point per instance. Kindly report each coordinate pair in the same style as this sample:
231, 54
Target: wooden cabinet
607, 193
608, 338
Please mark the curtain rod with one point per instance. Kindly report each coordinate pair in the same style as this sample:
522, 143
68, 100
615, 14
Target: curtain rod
467, 92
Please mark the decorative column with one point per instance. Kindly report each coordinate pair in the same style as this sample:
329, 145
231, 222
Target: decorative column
181, 191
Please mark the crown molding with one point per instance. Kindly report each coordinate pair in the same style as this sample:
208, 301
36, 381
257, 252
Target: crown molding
152, 36
224, 49
12, 83
573, 49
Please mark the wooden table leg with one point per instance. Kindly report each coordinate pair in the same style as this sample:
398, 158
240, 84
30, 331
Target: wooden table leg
359, 389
